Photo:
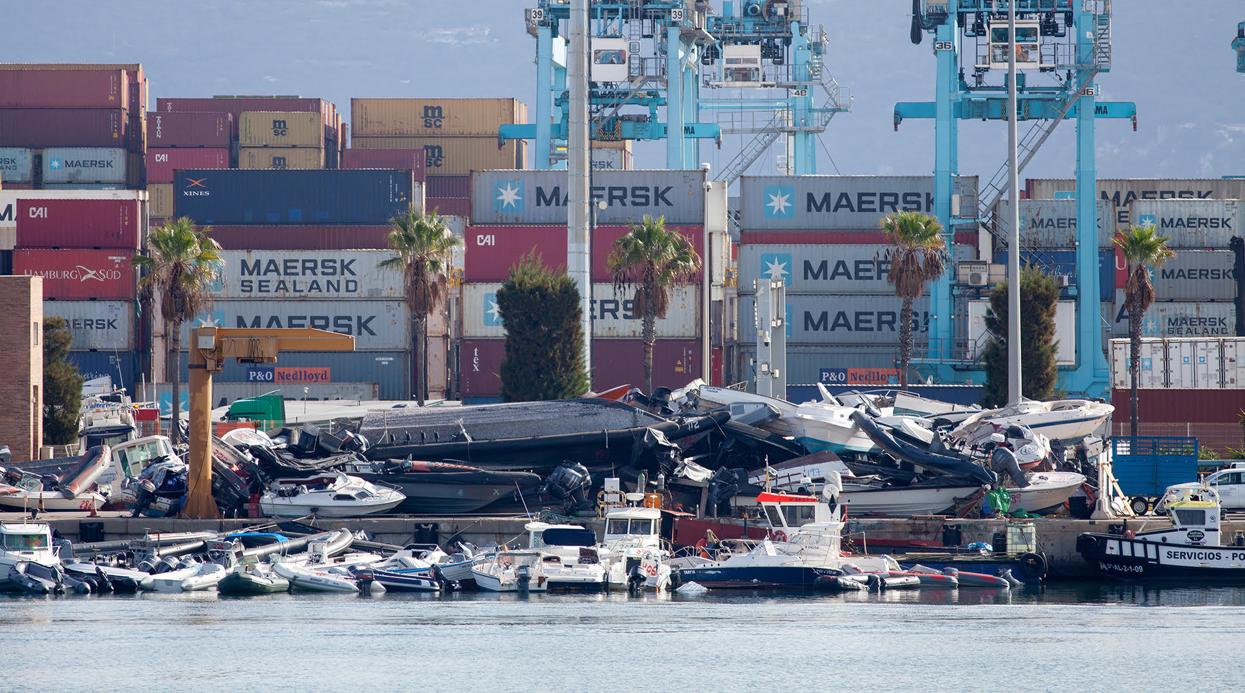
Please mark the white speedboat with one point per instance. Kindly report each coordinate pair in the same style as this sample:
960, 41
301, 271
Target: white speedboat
803, 551
931, 497
309, 579
512, 571
819, 426
802, 475
328, 495
28, 559
456, 568
1045, 492
15, 498
632, 550
1066, 420
784, 425
193, 578
569, 558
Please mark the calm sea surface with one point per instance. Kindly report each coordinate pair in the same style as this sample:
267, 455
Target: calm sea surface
1064, 637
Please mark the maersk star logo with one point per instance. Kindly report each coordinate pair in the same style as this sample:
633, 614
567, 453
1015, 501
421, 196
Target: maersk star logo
779, 201
775, 265
1147, 220
492, 312
509, 196
55, 164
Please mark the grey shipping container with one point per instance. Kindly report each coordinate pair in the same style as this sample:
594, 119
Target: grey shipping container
807, 364
307, 274
840, 319
539, 197
375, 325
104, 325
1122, 192
17, 165
1196, 275
389, 370
1049, 224
819, 203
1179, 319
1192, 223
822, 268
84, 165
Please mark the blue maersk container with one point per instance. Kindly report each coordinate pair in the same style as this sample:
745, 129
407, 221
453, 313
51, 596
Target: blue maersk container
121, 366
231, 197
1064, 262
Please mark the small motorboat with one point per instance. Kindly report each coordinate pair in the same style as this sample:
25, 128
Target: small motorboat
328, 495
192, 578
512, 571
69, 491
1046, 492
402, 579
29, 561
1190, 551
930, 496
314, 580
251, 578
570, 559
632, 550
1067, 420
456, 568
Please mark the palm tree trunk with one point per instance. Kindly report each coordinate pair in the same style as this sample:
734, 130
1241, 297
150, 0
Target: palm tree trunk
905, 341
1134, 361
649, 333
173, 337
422, 377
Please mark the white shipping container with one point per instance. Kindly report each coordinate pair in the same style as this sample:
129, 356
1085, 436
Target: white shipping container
307, 274
1192, 223
613, 313
1194, 364
1196, 275
375, 325
1065, 331
96, 325
812, 203
823, 268
1234, 363
17, 165
1120, 193
833, 319
1179, 319
84, 165
1153, 371
1049, 224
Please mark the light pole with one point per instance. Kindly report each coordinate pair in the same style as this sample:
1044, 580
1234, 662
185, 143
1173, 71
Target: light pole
1013, 240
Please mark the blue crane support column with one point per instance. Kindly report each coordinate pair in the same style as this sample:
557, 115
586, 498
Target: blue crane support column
1091, 375
941, 330
1238, 44
800, 107
691, 105
674, 99
544, 96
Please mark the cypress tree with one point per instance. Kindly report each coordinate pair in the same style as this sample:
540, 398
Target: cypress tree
62, 384
544, 339
1039, 297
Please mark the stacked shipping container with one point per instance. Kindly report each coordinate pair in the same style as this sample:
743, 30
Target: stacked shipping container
516, 212
455, 136
822, 236
72, 126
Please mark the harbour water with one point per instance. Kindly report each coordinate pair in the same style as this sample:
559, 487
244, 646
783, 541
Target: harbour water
1065, 636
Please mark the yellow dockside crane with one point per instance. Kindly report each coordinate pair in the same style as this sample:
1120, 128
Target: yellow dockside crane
210, 348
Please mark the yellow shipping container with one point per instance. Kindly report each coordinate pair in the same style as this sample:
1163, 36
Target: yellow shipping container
160, 200
280, 157
433, 117
281, 129
454, 156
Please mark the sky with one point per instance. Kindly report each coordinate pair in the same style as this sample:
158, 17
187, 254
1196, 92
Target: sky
1172, 58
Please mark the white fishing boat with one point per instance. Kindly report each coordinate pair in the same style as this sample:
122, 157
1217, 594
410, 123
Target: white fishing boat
570, 560
328, 495
632, 550
1065, 420
512, 571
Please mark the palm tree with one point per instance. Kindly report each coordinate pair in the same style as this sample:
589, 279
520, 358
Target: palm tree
919, 255
181, 264
1143, 250
651, 259
421, 245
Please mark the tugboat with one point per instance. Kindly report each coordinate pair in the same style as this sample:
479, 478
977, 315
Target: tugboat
1191, 550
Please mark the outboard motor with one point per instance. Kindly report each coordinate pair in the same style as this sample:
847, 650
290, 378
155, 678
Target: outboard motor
635, 577
523, 575
1003, 461
723, 486
569, 484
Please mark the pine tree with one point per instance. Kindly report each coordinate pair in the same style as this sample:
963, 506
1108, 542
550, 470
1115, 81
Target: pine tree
544, 339
62, 384
1039, 297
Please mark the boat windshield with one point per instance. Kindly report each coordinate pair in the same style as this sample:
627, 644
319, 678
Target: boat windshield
135, 458
559, 536
625, 526
1190, 517
24, 542
793, 515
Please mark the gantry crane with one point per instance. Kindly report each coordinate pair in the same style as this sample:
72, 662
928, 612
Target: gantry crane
1062, 46
1238, 44
210, 348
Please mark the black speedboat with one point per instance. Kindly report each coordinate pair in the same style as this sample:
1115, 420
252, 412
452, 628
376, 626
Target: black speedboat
446, 488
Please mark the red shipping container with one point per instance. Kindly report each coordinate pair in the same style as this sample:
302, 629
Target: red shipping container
866, 237
236, 106
64, 89
479, 367
78, 223
401, 159
443, 186
449, 206
300, 237
79, 274
491, 250
614, 362
676, 362
1180, 406
162, 162
189, 129
63, 127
